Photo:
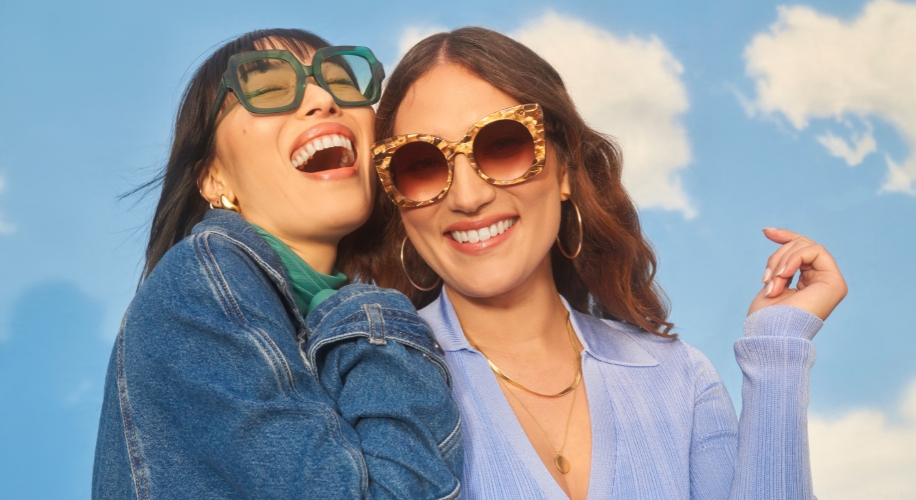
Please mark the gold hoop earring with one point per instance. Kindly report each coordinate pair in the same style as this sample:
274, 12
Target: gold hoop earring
578, 248
404, 267
228, 205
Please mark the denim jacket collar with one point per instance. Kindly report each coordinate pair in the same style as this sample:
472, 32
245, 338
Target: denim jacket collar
232, 226
606, 341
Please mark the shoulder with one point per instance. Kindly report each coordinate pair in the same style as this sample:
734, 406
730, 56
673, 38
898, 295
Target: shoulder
206, 277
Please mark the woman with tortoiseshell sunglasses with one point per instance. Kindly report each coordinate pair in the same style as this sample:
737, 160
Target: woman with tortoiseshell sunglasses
510, 224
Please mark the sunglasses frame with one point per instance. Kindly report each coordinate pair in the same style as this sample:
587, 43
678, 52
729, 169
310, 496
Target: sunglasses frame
230, 79
529, 115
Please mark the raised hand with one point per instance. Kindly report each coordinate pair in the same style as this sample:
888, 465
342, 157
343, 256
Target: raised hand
820, 285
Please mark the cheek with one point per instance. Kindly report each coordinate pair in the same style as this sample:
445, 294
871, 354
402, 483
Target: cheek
243, 142
420, 224
365, 119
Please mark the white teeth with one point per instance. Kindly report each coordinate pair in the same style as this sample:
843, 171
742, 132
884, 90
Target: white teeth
484, 233
305, 153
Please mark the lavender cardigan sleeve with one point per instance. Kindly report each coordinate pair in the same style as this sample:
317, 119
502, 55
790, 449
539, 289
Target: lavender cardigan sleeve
770, 457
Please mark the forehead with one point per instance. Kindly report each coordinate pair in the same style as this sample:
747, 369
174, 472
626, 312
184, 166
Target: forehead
447, 101
301, 50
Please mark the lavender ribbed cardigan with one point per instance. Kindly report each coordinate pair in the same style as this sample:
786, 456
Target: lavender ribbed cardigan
663, 425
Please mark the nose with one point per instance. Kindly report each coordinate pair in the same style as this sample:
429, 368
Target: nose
469, 192
317, 101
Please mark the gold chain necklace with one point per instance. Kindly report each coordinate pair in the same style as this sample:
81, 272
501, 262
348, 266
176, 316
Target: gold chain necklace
560, 461
572, 387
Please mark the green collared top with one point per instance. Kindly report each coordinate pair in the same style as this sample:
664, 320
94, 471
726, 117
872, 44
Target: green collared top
309, 286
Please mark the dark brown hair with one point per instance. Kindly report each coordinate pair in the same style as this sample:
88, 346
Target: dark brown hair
614, 275
180, 204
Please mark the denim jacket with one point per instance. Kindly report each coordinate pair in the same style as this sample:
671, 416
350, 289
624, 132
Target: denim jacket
218, 387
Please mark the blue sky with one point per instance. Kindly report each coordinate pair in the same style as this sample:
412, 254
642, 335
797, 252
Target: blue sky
731, 132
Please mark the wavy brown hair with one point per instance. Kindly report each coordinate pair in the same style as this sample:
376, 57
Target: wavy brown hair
614, 275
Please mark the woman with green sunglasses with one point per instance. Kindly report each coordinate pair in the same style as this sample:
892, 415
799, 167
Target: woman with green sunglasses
244, 368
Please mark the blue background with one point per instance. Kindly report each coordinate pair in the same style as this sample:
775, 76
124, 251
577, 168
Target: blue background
90, 90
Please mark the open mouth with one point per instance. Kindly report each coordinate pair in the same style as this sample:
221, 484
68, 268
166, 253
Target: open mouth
484, 233
326, 152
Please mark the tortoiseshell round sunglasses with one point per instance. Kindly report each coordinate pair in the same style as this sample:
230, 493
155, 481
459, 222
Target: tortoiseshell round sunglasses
506, 147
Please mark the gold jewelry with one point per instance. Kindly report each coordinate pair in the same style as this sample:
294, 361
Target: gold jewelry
228, 205
508, 380
560, 461
578, 248
404, 267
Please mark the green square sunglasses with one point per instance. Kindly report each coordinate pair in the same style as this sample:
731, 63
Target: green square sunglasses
273, 81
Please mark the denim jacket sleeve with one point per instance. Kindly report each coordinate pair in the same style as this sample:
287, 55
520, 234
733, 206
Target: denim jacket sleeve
378, 361
208, 395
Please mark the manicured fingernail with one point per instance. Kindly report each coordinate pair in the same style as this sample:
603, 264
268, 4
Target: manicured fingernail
767, 274
768, 229
769, 288
781, 269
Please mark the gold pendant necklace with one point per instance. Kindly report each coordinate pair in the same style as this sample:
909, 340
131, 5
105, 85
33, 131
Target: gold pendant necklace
560, 461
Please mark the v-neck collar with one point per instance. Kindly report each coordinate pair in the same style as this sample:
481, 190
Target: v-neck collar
619, 351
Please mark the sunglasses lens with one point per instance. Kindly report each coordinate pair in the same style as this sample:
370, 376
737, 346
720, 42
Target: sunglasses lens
348, 77
419, 171
268, 83
504, 150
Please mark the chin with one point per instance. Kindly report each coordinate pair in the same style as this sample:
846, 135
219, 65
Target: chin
485, 284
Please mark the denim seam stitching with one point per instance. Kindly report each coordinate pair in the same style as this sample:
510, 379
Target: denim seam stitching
376, 323
289, 389
440, 364
262, 263
455, 432
389, 311
274, 356
456, 493
141, 482
355, 455
314, 348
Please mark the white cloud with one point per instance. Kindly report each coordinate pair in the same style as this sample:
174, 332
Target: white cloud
813, 66
628, 87
414, 34
865, 454
6, 227
863, 144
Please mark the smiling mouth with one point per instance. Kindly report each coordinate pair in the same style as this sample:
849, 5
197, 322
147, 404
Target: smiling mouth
326, 152
484, 233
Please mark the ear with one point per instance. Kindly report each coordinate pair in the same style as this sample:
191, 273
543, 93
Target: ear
213, 183
565, 190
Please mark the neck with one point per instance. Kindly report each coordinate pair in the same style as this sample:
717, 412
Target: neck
320, 256
518, 322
